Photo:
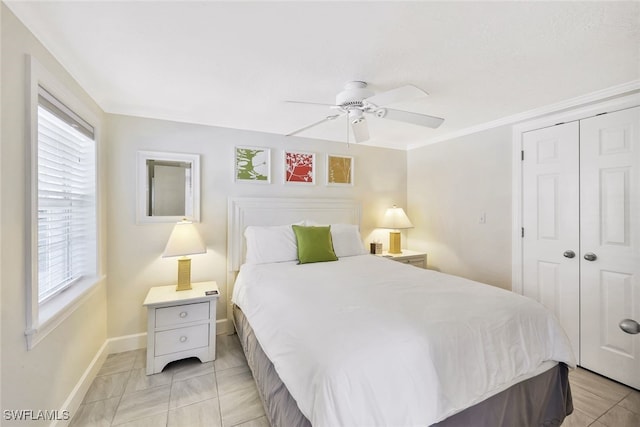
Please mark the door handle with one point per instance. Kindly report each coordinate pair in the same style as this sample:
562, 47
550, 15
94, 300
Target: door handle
630, 326
590, 256
569, 254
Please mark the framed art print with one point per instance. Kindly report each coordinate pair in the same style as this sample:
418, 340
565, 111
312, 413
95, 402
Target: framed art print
253, 164
339, 169
299, 167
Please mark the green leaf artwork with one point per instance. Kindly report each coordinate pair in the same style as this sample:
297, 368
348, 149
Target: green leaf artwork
252, 164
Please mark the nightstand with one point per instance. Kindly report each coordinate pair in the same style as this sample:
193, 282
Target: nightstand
180, 324
418, 259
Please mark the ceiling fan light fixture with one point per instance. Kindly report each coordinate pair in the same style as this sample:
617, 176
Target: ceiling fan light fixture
356, 116
353, 94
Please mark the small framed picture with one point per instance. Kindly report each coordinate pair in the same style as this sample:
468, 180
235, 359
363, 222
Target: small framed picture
340, 170
252, 164
299, 167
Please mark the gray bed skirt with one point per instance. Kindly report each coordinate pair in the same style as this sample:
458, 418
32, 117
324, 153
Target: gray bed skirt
544, 400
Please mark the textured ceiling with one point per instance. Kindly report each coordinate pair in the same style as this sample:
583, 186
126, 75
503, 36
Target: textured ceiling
232, 64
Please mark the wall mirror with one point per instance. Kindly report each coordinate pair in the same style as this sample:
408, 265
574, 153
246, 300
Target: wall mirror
168, 187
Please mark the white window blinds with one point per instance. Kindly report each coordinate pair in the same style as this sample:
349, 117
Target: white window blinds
66, 197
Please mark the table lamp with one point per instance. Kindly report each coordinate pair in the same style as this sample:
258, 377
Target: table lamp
395, 219
184, 240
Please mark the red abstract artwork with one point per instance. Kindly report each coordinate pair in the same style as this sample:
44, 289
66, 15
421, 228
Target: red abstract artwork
299, 167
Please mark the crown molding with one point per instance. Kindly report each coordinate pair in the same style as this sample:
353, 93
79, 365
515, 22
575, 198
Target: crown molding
623, 89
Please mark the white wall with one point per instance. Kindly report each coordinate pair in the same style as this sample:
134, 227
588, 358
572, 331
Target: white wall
44, 377
450, 184
134, 250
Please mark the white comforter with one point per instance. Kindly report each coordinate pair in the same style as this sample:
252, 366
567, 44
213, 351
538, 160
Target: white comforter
367, 341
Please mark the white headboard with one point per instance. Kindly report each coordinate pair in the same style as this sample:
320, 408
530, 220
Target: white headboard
277, 211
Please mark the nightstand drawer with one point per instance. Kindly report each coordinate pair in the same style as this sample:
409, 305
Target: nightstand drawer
180, 314
417, 262
416, 259
175, 340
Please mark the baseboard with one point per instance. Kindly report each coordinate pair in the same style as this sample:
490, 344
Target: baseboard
222, 327
127, 343
77, 394
110, 346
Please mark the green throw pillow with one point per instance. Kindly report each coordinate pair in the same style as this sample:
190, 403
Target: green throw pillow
314, 244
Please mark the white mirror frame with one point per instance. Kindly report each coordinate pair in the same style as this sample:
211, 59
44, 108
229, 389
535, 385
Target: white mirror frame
143, 189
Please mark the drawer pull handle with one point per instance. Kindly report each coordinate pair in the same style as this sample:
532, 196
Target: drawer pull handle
183, 339
183, 314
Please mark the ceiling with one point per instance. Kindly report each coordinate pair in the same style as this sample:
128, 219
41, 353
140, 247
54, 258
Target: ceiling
233, 64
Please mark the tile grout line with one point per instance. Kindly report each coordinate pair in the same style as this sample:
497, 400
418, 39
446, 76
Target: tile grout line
248, 421
215, 373
610, 382
594, 391
115, 411
173, 376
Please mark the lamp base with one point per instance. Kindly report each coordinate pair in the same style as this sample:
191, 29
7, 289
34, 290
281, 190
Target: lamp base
184, 274
394, 242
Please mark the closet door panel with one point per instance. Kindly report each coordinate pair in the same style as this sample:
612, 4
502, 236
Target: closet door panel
610, 243
550, 221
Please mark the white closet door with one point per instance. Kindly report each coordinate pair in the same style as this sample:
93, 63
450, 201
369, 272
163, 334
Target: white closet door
610, 232
551, 223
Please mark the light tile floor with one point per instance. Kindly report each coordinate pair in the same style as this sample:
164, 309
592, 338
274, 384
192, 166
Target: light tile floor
222, 394
186, 393
600, 402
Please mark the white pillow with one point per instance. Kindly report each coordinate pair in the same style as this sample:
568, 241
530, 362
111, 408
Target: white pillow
270, 244
346, 239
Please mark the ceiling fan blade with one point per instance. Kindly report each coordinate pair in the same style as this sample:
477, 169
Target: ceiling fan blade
310, 103
360, 130
326, 119
409, 117
401, 94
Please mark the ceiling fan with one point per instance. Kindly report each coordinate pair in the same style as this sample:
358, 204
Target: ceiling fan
356, 101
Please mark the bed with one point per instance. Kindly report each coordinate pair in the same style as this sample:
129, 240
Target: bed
366, 341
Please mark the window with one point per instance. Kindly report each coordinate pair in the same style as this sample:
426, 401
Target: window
63, 239
66, 197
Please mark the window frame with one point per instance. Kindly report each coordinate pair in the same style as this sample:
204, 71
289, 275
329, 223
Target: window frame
44, 317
